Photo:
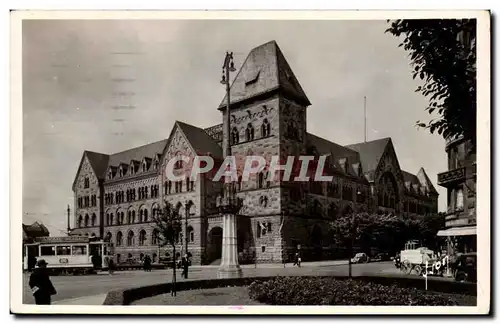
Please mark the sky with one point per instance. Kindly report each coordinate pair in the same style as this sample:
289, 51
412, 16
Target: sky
109, 85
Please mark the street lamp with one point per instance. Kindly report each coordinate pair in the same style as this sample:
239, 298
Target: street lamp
228, 204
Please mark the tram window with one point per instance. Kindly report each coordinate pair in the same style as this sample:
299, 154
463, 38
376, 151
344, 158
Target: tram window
63, 250
47, 250
79, 250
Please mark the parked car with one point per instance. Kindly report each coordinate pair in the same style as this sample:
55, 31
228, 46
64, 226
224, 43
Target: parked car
397, 260
381, 257
465, 267
360, 258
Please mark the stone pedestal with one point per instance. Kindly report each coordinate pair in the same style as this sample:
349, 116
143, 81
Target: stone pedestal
229, 267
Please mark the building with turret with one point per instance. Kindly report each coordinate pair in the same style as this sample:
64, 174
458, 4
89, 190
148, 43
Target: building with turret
117, 194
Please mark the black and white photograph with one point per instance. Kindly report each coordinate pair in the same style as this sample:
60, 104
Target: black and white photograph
248, 160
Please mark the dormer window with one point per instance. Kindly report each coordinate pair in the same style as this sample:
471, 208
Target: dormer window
110, 174
156, 165
86, 182
235, 136
144, 166
121, 172
178, 164
249, 132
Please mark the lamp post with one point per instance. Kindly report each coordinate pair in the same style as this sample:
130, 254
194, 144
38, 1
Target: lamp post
228, 204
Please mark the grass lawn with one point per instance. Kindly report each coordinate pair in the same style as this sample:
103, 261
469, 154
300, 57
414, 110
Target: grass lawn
209, 297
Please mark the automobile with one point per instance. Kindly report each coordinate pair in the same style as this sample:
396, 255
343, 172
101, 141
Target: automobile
360, 258
397, 260
465, 267
381, 257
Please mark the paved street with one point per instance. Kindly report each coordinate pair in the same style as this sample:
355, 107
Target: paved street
79, 286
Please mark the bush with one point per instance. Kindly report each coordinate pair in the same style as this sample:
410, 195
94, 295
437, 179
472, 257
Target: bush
330, 291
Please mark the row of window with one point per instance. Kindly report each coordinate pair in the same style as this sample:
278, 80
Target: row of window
265, 131
178, 186
143, 217
86, 221
131, 194
87, 201
130, 240
63, 250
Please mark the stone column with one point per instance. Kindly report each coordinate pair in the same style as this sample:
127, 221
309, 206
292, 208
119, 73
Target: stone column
229, 267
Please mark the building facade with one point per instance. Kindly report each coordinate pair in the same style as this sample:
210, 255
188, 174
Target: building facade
116, 195
460, 183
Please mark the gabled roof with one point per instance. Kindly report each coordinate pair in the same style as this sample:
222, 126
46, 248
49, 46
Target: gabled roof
201, 142
98, 162
265, 69
425, 181
338, 152
370, 152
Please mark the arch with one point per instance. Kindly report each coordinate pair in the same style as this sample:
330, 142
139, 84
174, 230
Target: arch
119, 238
142, 237
178, 207
93, 220
249, 132
388, 191
214, 248
265, 128
107, 218
130, 238
108, 237
190, 234
235, 136
80, 220
145, 219
86, 221
118, 216
155, 237
155, 209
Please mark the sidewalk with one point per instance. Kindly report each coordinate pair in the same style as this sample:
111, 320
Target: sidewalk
86, 300
278, 265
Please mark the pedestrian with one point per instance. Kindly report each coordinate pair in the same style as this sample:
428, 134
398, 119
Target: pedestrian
147, 263
185, 265
111, 265
297, 259
40, 284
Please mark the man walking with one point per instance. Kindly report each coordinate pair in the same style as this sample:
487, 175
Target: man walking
40, 284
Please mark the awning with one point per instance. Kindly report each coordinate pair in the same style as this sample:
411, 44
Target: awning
458, 231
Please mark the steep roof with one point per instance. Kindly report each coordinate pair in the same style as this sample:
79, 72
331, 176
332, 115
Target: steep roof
424, 179
370, 152
201, 142
407, 176
265, 69
99, 162
137, 153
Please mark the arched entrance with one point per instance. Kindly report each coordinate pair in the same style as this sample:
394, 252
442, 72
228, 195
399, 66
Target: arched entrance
214, 249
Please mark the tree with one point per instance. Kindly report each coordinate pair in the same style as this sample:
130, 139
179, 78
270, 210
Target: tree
443, 55
169, 225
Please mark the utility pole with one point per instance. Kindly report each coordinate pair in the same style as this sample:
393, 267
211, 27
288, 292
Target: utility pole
228, 205
69, 226
365, 119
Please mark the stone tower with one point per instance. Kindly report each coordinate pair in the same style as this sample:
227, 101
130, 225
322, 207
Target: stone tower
268, 118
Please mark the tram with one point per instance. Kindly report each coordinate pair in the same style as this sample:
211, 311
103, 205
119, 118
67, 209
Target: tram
68, 254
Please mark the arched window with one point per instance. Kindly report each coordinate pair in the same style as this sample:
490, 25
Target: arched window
235, 136
155, 237
80, 219
249, 132
130, 238
265, 128
93, 220
129, 217
86, 222
142, 237
119, 239
141, 214
190, 234
108, 237
145, 219
260, 180
111, 219
133, 216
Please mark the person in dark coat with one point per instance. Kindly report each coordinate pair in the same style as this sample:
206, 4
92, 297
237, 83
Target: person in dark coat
185, 266
40, 284
147, 263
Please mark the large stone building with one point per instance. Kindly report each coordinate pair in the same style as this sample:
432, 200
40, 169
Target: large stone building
116, 194
460, 182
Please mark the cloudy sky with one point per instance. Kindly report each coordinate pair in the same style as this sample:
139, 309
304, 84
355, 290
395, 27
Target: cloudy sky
78, 75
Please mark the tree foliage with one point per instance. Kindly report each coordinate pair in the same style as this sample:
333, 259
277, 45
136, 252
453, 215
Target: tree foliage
385, 232
443, 56
168, 223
